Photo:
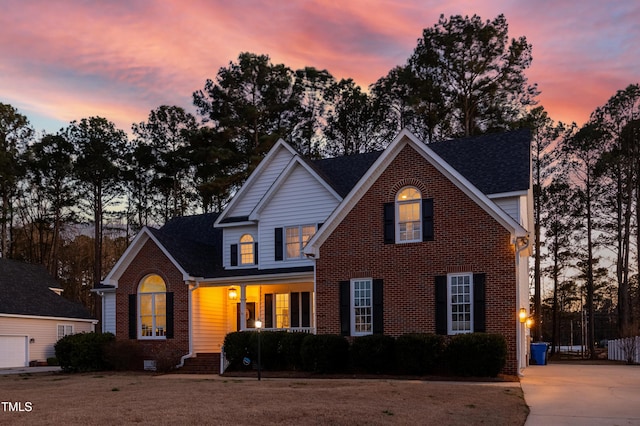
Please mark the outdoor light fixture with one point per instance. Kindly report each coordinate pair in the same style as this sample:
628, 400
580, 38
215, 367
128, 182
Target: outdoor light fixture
529, 322
233, 294
258, 324
523, 315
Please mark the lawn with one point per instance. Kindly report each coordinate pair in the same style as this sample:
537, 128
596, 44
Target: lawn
129, 398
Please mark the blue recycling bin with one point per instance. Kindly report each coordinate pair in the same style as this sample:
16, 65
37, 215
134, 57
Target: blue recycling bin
539, 353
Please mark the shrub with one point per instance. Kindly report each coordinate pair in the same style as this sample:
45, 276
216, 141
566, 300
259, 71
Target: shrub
166, 358
418, 353
324, 353
237, 345
291, 350
373, 353
52, 361
124, 355
476, 354
83, 352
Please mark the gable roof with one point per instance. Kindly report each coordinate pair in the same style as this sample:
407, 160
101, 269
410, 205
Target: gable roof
403, 139
342, 173
25, 290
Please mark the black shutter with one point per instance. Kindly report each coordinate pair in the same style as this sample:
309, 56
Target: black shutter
295, 309
234, 255
479, 323
133, 316
389, 223
169, 308
255, 253
279, 244
305, 308
441, 304
378, 315
345, 308
427, 219
268, 311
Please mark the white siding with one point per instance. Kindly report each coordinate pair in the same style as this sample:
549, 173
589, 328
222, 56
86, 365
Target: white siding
210, 307
43, 331
511, 205
232, 236
301, 200
253, 193
109, 313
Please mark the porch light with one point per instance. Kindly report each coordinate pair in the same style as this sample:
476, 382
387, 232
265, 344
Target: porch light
523, 315
233, 293
258, 324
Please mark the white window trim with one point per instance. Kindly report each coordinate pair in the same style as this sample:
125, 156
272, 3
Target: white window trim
450, 330
65, 327
284, 238
353, 307
397, 215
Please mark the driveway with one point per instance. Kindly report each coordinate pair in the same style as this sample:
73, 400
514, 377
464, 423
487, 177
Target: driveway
578, 394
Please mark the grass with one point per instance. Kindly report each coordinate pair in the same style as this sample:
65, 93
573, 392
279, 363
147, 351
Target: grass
124, 398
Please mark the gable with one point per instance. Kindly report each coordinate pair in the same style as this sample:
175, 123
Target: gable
258, 183
403, 140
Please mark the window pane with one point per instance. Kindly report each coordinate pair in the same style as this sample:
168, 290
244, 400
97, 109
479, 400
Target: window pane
153, 284
282, 310
408, 194
293, 242
146, 302
160, 303
246, 253
362, 305
460, 287
307, 232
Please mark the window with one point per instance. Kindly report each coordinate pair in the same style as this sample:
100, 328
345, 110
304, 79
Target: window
460, 295
362, 305
64, 330
409, 224
282, 310
152, 307
296, 237
247, 255
287, 310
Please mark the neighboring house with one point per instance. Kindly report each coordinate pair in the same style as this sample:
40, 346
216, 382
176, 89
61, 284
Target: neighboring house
34, 315
416, 238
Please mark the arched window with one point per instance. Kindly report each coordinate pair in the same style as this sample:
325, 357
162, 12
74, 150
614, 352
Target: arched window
152, 307
247, 252
409, 215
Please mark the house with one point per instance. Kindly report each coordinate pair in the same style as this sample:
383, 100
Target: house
34, 315
416, 238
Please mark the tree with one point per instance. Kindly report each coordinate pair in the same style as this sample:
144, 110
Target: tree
252, 103
50, 177
99, 147
353, 125
15, 131
166, 133
480, 73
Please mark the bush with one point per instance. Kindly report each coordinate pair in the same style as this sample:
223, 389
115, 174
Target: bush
237, 345
324, 353
373, 353
418, 353
291, 350
83, 352
52, 361
477, 354
166, 358
124, 355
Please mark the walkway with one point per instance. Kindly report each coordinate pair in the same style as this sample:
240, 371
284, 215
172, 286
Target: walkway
579, 394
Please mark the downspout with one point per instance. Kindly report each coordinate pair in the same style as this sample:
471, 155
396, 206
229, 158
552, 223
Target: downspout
190, 354
521, 244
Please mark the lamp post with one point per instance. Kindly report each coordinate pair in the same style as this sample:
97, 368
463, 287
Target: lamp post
258, 324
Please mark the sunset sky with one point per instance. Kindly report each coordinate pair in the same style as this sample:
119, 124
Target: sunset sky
66, 60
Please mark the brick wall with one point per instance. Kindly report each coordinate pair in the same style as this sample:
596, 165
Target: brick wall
151, 260
467, 239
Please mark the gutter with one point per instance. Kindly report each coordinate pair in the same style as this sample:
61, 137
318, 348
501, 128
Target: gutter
190, 354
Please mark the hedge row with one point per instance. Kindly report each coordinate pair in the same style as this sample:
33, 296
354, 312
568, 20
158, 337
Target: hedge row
476, 354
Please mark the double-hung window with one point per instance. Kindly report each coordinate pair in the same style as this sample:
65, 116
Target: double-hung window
296, 237
64, 330
362, 307
460, 293
247, 254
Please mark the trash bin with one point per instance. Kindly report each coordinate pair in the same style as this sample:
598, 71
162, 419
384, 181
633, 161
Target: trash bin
539, 353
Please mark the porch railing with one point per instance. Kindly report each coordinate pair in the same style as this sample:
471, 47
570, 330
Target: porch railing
625, 349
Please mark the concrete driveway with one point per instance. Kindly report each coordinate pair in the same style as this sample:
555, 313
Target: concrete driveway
578, 394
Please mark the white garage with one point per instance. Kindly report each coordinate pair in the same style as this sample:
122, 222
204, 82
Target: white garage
14, 351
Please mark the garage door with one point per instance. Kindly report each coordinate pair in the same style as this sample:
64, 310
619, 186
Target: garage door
13, 351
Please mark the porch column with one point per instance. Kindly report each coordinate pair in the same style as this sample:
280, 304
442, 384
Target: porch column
243, 307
